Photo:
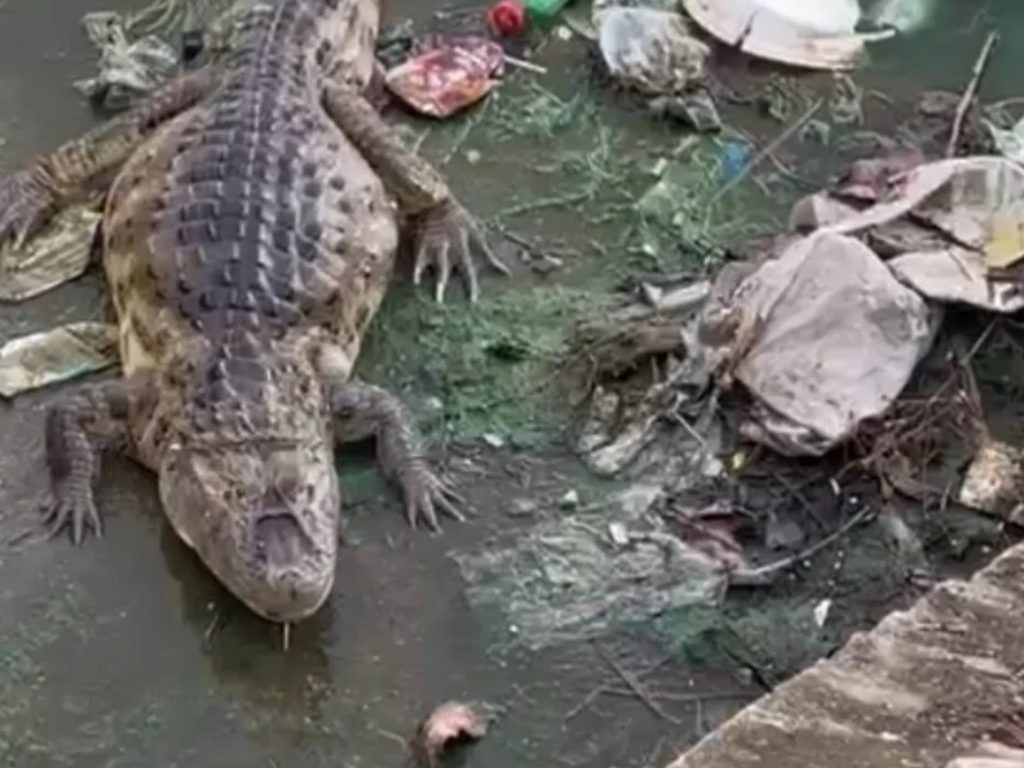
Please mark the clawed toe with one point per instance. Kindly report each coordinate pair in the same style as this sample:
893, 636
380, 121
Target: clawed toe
450, 230
426, 496
78, 517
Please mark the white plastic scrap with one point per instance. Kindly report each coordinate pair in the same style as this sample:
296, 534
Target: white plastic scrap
817, 35
62, 353
650, 50
127, 69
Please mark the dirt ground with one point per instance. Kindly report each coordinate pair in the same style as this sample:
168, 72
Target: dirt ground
126, 653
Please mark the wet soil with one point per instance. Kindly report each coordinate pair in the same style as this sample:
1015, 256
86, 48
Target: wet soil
126, 653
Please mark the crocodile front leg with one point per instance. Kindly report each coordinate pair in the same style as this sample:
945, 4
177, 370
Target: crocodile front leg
363, 410
78, 430
28, 198
447, 230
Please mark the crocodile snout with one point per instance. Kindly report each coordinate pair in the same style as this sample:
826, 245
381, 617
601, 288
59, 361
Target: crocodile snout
294, 581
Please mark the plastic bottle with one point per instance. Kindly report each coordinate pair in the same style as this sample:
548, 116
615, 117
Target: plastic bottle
543, 12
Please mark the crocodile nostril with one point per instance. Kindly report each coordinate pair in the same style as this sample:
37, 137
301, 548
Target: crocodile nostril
281, 539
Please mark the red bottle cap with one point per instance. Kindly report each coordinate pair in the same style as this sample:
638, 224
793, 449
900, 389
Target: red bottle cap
507, 18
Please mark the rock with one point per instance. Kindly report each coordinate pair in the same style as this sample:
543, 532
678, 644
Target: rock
571, 500
522, 508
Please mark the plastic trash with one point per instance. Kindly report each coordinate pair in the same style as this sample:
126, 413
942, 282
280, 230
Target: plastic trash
507, 18
127, 70
828, 337
824, 17
62, 353
734, 159
951, 226
650, 50
59, 254
815, 35
544, 12
450, 78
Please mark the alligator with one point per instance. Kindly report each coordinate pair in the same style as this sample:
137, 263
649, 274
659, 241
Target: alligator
250, 229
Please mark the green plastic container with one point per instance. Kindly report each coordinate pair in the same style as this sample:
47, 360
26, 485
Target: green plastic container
544, 12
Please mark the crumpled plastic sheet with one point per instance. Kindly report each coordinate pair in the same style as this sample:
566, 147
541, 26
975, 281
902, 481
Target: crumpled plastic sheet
651, 50
62, 353
127, 70
60, 253
835, 338
139, 51
961, 218
566, 579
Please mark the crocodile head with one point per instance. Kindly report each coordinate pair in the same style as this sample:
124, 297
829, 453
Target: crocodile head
251, 486
262, 517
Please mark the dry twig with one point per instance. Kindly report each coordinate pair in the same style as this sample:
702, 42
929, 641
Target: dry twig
635, 685
971, 91
777, 142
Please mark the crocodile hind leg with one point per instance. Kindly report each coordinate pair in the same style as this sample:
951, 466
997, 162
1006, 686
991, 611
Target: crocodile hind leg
78, 431
363, 410
447, 231
28, 198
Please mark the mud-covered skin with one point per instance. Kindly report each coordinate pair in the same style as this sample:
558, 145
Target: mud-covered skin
249, 236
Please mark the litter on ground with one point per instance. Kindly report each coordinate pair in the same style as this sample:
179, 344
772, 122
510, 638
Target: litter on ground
62, 353
450, 78
58, 254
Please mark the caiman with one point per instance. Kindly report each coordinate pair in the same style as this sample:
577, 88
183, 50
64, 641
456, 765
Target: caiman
250, 230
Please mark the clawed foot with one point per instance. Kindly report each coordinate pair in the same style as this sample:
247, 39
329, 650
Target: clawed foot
447, 235
25, 205
73, 510
426, 494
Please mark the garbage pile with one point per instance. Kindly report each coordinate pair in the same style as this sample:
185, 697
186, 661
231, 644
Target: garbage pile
822, 334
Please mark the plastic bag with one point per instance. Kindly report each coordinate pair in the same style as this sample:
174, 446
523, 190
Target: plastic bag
651, 50
57, 255
40, 359
450, 78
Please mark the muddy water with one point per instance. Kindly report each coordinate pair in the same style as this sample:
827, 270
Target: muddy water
125, 653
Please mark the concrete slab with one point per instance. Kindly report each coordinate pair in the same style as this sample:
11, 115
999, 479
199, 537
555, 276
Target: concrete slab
921, 690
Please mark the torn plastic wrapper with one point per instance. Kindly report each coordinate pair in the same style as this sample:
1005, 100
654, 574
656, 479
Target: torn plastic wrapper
57, 255
67, 352
450, 78
832, 339
128, 70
